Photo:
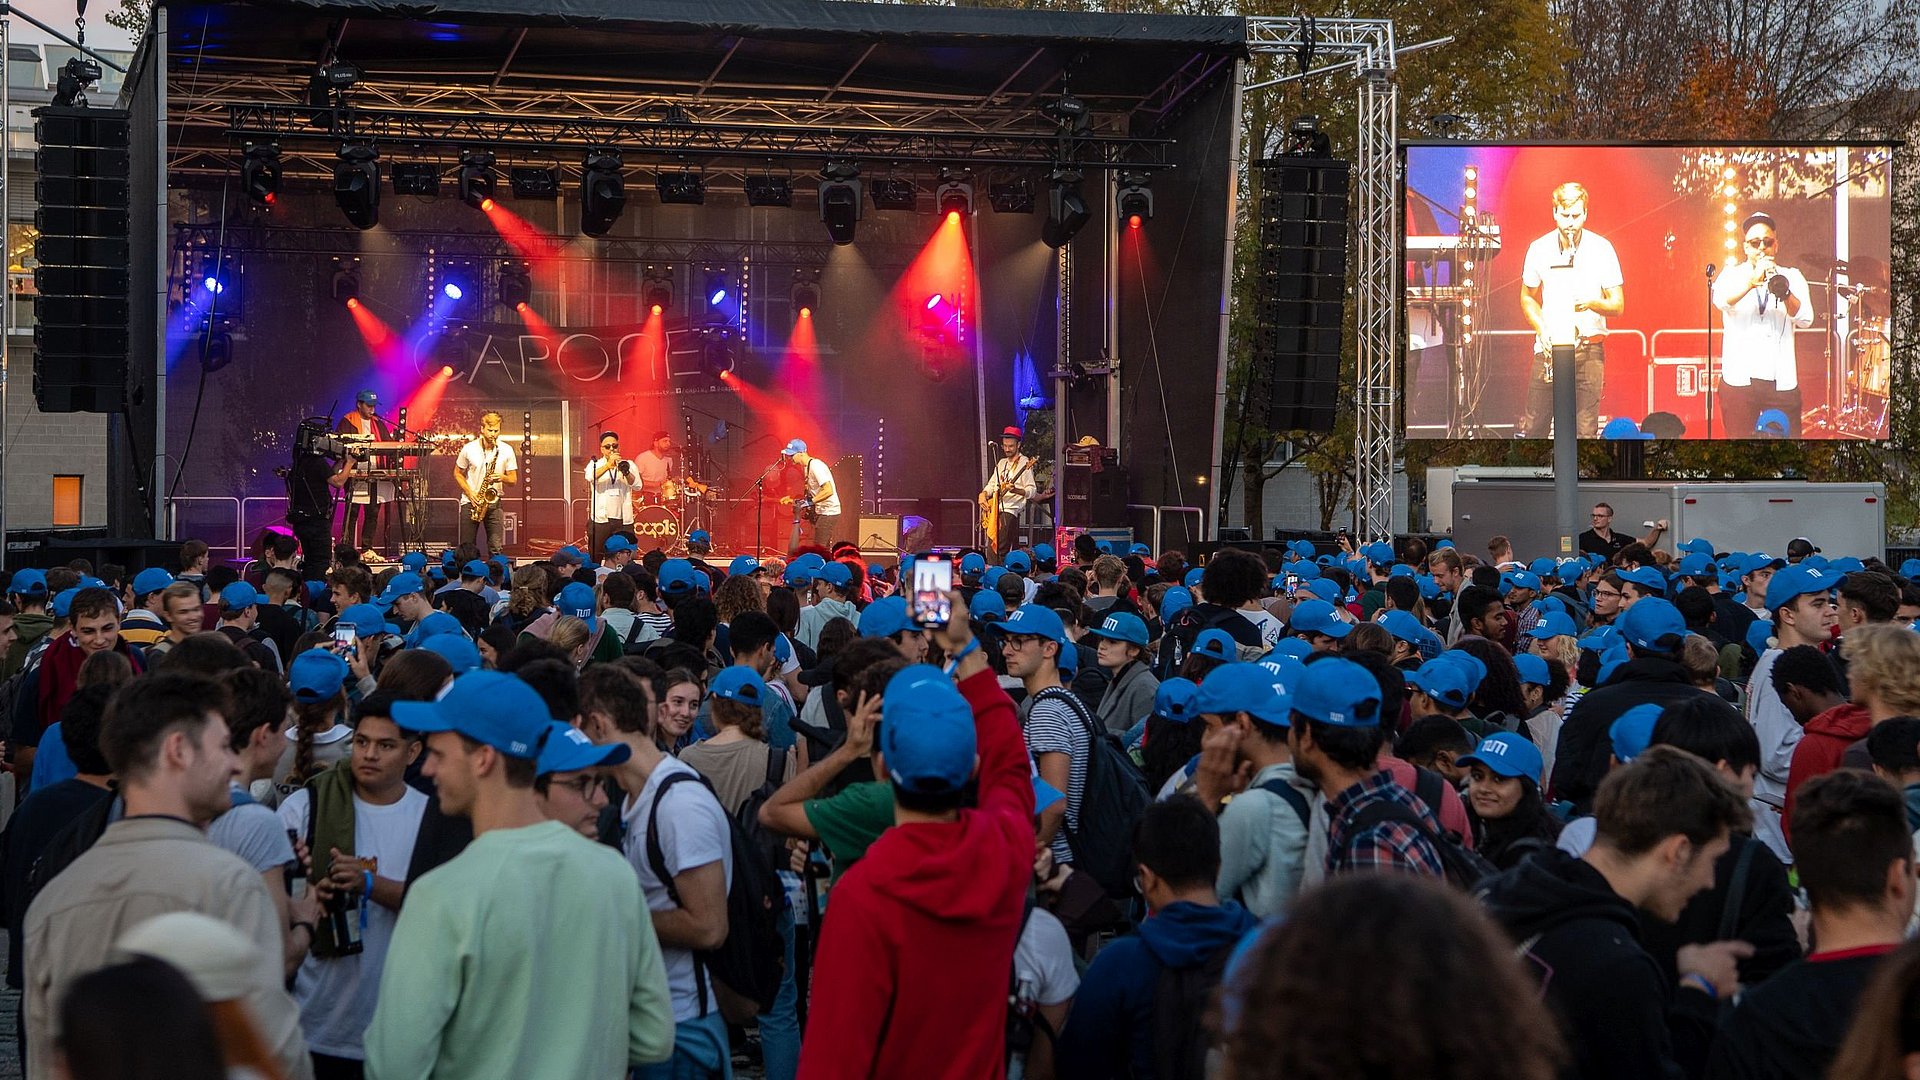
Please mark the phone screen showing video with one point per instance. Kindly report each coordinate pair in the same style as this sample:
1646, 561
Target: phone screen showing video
932, 586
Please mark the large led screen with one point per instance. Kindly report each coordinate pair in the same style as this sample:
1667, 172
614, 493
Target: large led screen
1706, 292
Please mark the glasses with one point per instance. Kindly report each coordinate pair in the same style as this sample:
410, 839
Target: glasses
583, 786
609, 446
1762, 242
1613, 594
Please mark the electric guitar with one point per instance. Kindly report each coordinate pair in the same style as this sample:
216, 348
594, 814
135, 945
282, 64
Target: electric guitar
989, 500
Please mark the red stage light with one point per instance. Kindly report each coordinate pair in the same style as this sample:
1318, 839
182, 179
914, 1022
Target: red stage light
806, 313
521, 306
269, 200
656, 309
953, 217
353, 301
1133, 221
446, 372
486, 204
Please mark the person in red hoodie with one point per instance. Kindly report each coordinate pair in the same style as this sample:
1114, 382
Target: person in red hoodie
1883, 665
911, 979
93, 626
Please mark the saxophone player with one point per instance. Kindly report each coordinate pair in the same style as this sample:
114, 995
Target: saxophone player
483, 468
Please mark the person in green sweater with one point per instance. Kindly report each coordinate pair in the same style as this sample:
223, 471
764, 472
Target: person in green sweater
28, 593
489, 973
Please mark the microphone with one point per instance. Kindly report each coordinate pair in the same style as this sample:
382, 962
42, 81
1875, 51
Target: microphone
1713, 271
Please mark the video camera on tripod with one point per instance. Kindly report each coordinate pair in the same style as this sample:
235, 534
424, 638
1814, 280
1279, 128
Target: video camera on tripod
312, 437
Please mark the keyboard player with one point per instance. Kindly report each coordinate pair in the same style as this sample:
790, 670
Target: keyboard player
369, 499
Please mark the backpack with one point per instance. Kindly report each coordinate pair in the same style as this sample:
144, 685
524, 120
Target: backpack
1183, 1048
747, 819
1293, 798
1112, 798
68, 845
1465, 868
751, 960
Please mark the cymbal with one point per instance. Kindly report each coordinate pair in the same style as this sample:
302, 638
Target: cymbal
1820, 262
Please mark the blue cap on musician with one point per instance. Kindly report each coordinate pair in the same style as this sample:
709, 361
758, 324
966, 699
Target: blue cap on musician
1621, 427
1772, 424
367, 397
797, 446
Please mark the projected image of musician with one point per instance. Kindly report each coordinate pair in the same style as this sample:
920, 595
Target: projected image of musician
1761, 304
483, 469
1570, 284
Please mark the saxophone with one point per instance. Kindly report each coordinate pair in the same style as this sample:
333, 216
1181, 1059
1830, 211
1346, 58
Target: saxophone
489, 493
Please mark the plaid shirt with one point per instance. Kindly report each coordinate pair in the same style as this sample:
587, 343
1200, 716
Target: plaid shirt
1389, 845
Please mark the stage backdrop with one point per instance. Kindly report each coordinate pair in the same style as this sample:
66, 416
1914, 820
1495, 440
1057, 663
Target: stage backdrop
1696, 348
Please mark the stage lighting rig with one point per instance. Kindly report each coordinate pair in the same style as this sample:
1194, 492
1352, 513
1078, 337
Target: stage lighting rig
954, 195
769, 191
893, 193
346, 282
475, 180
717, 288
1305, 139
1135, 200
414, 178
70, 87
1014, 197
356, 183
656, 290
603, 193
804, 296
1067, 211
515, 284
534, 181
1070, 113
681, 188
840, 204
260, 173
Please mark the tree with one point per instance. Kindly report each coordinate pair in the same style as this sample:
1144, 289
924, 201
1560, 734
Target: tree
132, 16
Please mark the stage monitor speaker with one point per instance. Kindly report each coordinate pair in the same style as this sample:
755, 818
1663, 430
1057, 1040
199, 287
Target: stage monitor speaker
81, 307
1093, 497
1300, 292
877, 534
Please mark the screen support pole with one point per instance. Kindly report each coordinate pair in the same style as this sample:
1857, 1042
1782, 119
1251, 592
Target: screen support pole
1566, 449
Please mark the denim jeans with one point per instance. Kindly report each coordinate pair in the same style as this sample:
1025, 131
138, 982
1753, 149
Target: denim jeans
780, 1029
700, 1052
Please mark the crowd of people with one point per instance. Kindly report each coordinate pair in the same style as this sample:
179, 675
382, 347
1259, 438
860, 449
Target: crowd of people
1279, 814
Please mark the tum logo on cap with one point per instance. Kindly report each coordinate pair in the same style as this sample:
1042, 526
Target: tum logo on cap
1110, 624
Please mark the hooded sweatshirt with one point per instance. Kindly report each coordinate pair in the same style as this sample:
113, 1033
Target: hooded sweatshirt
911, 979
1822, 744
30, 627
1110, 1030
1620, 1014
1581, 756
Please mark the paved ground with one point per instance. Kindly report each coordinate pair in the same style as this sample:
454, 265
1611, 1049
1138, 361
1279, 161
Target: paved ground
9, 1005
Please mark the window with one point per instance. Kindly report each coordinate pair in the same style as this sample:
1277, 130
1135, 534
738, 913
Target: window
66, 500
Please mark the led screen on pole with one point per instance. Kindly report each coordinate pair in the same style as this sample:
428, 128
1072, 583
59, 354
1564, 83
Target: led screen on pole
1708, 292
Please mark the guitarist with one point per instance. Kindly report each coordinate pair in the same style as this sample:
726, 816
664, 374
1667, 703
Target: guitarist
484, 459
821, 502
1006, 494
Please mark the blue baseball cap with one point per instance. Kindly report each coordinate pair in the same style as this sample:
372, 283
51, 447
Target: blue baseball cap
1556, 624
740, 684
1798, 580
797, 446
1379, 553
1632, 731
62, 604
1036, 621
1507, 753
1771, 422
813, 560
1292, 648
1247, 688
28, 583
448, 556
700, 536
677, 576
1647, 577
1611, 661
1018, 561
1910, 568
797, 575
474, 569
1544, 567
1550, 602
240, 595
1301, 548
1695, 565
1697, 546
1571, 570
1043, 552
456, 649
1174, 700
743, 565
1524, 579
1429, 588
150, 581
577, 600
616, 544
1623, 428
888, 616
367, 397
1324, 588
1217, 644
570, 554
1758, 561
367, 620
1305, 571
316, 675
837, 574
1654, 625
987, 606
486, 706
1403, 625
1401, 570
415, 561
1444, 681
569, 750
1141, 550
1175, 600
435, 625
1338, 692
1121, 626
1193, 577
1601, 638
926, 731
1533, 669
782, 648
992, 576
1316, 617
438, 574
973, 563
1846, 564
398, 586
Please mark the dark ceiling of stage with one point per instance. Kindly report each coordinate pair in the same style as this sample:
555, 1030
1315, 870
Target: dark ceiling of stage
775, 63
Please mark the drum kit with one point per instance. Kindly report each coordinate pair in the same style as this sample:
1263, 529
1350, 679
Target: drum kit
664, 519
1859, 369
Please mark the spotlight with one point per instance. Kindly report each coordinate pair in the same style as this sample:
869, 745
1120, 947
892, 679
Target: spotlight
893, 193
534, 181
769, 191
934, 301
515, 287
681, 188
840, 205
346, 281
1136, 200
1305, 139
603, 194
446, 371
216, 349
356, 183
213, 285
804, 296
260, 173
1069, 112
656, 288
475, 180
70, 88
1067, 211
414, 178
451, 290
954, 196
716, 285
1012, 198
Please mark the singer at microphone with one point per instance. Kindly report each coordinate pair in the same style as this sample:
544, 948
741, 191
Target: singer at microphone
368, 498
1762, 304
610, 490
1570, 285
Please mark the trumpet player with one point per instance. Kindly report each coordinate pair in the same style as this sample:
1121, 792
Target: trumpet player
1762, 303
610, 480
483, 469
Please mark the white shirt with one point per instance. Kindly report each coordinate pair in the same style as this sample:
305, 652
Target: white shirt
1017, 473
337, 995
693, 832
1566, 278
612, 494
1758, 340
473, 461
1043, 958
819, 476
1779, 733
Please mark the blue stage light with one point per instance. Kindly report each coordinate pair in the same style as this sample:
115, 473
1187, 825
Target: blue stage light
452, 291
718, 296
213, 285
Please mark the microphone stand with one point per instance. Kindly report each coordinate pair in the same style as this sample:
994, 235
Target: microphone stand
759, 510
1707, 385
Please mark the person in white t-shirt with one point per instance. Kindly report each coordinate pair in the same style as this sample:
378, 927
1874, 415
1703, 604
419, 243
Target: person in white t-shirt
337, 993
610, 485
1762, 304
1570, 283
821, 497
486, 462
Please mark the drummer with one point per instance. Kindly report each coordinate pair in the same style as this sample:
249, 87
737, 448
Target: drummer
656, 470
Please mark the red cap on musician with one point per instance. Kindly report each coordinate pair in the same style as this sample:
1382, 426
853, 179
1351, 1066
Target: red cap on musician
1011, 432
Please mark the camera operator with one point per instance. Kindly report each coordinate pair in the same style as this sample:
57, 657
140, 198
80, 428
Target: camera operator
1762, 303
310, 494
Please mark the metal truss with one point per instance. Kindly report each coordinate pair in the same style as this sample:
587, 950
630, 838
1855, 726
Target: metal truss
1367, 47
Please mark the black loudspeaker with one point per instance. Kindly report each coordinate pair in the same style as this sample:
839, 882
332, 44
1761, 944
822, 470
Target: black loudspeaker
82, 307
1093, 497
1300, 296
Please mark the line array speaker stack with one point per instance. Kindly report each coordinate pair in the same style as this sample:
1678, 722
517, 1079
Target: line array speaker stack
81, 312
1300, 296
